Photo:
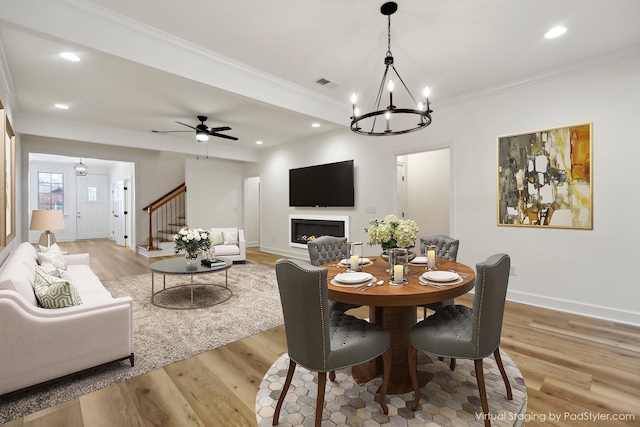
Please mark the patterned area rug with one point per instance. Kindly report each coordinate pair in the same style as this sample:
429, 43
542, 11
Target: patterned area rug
449, 399
163, 336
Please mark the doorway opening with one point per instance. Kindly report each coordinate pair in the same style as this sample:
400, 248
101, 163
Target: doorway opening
88, 202
424, 190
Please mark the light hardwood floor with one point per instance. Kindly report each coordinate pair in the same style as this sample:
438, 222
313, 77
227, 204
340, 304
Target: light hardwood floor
575, 368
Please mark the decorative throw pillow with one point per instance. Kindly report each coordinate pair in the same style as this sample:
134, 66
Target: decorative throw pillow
48, 268
52, 255
230, 237
216, 238
54, 292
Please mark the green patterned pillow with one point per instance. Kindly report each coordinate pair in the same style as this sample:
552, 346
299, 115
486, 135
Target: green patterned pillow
216, 238
54, 292
52, 255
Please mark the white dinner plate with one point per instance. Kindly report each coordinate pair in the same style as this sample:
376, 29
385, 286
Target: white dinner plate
360, 261
419, 260
352, 277
441, 276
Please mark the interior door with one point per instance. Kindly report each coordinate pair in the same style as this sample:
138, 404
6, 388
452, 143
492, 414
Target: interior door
118, 208
92, 195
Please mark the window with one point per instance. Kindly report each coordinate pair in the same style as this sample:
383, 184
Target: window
51, 191
92, 194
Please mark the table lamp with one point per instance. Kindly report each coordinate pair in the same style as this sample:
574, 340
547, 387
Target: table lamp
46, 220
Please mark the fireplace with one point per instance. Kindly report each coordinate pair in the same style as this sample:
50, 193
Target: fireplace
303, 228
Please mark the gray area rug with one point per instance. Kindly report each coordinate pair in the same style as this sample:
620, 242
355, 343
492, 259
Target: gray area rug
450, 399
163, 336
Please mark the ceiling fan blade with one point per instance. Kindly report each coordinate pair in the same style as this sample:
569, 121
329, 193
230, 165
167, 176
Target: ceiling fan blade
221, 135
218, 129
167, 131
184, 124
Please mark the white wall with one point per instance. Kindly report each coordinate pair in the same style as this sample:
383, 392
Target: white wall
374, 183
251, 205
214, 193
570, 270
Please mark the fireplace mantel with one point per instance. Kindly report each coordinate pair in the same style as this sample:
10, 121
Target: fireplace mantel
310, 220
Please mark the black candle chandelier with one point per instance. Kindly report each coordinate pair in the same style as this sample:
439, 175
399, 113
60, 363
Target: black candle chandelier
405, 120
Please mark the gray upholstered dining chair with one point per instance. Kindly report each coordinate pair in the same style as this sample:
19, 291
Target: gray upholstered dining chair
447, 248
326, 249
324, 341
458, 331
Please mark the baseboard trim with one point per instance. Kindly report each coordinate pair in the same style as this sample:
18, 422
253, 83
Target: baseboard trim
589, 310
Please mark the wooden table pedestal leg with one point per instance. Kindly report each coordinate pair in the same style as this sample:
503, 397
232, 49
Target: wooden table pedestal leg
398, 321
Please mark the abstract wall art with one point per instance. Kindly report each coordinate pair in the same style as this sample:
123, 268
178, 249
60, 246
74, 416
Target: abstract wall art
545, 178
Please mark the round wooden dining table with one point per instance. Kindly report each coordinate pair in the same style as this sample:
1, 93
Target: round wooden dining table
394, 308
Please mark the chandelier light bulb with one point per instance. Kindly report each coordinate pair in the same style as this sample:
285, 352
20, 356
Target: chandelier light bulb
390, 85
427, 91
356, 112
420, 106
354, 98
387, 115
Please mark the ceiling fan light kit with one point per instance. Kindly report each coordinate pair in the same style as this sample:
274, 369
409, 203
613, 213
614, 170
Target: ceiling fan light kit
397, 121
203, 132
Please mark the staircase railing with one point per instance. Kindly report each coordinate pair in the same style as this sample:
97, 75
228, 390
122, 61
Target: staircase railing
166, 215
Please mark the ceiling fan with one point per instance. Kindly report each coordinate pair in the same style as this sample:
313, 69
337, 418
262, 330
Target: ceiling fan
202, 131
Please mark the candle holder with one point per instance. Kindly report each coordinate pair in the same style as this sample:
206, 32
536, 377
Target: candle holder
398, 258
430, 254
355, 256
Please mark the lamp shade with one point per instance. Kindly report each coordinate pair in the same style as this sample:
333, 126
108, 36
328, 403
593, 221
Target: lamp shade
46, 220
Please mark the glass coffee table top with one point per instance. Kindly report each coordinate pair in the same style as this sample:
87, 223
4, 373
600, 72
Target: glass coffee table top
179, 265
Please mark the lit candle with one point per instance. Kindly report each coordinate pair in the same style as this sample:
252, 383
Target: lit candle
354, 262
398, 273
431, 258
354, 98
427, 92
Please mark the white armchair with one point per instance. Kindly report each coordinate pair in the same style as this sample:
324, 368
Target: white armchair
235, 250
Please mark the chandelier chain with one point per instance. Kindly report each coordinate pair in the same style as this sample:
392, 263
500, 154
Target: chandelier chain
389, 36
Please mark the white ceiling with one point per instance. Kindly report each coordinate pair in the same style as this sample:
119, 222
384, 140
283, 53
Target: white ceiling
252, 65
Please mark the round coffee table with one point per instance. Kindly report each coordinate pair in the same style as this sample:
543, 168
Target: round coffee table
178, 267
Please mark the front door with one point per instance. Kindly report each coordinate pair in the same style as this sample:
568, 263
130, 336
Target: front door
93, 207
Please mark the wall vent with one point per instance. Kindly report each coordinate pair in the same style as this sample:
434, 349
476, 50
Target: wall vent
322, 81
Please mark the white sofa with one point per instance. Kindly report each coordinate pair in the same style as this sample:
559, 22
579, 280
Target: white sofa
236, 253
39, 344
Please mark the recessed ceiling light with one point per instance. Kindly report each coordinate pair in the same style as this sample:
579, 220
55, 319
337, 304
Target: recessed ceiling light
555, 32
259, 142
61, 106
315, 125
70, 56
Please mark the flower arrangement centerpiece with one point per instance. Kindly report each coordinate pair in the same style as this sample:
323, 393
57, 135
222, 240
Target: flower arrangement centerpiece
191, 240
392, 232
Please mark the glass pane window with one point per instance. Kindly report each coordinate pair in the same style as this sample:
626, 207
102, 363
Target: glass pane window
50, 190
92, 195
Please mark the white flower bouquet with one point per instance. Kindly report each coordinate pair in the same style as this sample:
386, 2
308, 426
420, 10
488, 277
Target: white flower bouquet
191, 240
392, 232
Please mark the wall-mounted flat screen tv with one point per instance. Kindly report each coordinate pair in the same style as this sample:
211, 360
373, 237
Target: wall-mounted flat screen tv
329, 184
